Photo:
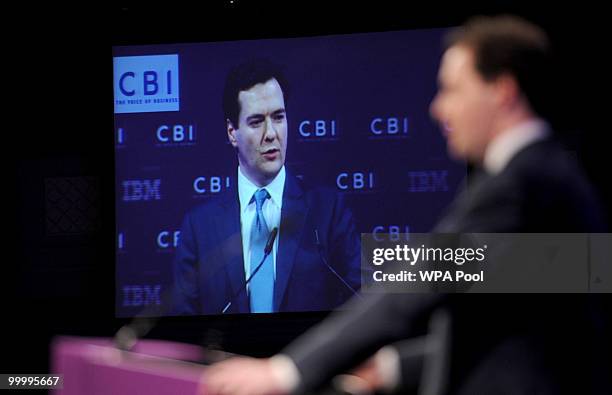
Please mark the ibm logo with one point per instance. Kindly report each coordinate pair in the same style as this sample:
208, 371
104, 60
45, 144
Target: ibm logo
146, 83
427, 181
141, 295
141, 190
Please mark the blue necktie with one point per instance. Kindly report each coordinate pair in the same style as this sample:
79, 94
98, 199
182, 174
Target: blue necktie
262, 283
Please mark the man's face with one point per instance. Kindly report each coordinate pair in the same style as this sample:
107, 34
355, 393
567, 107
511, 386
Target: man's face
465, 105
261, 134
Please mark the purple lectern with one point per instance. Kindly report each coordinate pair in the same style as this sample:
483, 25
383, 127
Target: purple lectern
94, 366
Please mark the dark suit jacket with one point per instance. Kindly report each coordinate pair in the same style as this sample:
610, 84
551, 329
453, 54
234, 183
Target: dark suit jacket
542, 189
209, 268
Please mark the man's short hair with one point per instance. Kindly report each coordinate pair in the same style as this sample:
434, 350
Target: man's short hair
245, 76
509, 45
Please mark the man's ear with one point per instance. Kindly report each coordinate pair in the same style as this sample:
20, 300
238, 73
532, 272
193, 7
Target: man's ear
508, 90
231, 133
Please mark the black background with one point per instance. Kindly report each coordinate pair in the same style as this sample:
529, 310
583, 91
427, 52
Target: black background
58, 123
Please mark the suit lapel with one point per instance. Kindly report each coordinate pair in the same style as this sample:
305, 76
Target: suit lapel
228, 226
293, 218
453, 220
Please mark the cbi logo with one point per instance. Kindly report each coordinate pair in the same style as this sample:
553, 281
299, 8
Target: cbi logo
428, 181
120, 242
319, 129
390, 127
175, 135
391, 232
141, 190
167, 240
355, 181
211, 185
146, 83
120, 137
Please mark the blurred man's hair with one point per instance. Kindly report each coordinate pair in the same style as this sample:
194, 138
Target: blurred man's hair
245, 76
509, 45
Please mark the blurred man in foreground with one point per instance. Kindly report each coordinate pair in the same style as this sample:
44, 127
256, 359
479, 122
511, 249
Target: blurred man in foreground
489, 104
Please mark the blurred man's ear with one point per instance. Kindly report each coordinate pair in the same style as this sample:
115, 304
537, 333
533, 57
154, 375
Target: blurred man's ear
231, 133
508, 91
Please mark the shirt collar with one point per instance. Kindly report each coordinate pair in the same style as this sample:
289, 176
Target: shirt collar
508, 143
275, 188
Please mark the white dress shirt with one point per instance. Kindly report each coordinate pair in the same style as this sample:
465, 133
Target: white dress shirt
509, 142
271, 211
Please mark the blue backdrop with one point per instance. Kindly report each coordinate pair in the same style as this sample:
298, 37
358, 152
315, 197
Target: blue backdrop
358, 116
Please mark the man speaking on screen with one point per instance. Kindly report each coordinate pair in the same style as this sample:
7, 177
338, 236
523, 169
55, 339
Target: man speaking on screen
277, 245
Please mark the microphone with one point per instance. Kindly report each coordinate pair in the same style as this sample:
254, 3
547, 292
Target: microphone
267, 250
270, 242
331, 269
